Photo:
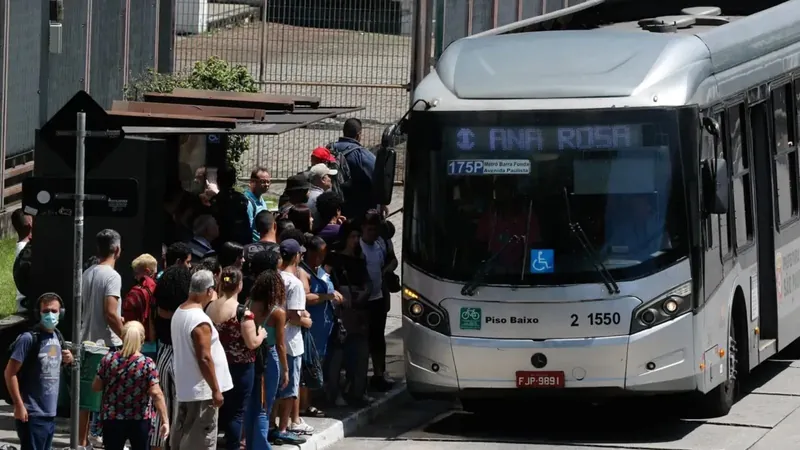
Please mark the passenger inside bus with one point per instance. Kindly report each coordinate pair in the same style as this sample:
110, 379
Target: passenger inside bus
635, 230
509, 217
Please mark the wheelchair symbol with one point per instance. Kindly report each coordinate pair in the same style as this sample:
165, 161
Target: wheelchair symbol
542, 262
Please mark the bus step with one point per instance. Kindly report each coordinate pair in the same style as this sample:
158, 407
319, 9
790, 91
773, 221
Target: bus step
767, 348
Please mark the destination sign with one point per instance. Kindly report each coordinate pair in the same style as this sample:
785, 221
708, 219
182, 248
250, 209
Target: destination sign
538, 139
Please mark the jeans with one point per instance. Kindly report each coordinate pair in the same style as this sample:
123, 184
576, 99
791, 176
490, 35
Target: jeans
377, 337
356, 360
236, 399
119, 431
256, 419
37, 433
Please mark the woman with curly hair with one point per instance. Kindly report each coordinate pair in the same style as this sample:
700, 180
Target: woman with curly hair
172, 289
272, 371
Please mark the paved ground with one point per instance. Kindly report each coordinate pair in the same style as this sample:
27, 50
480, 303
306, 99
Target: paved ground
768, 418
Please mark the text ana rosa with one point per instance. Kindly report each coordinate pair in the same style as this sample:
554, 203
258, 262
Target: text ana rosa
521, 320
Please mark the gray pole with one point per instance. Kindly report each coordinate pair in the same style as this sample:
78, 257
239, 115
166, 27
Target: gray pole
77, 281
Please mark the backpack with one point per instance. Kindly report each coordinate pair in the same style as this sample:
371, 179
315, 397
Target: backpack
383, 178
343, 179
24, 375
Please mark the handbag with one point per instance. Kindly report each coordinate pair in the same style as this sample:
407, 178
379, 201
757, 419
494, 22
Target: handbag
312, 367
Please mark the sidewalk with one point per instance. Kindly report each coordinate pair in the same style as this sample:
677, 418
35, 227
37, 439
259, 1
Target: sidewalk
340, 421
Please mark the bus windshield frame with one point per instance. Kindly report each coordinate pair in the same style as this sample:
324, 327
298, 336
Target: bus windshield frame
479, 179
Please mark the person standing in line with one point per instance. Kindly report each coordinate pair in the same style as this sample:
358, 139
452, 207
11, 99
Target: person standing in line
240, 337
138, 301
201, 369
260, 181
129, 382
380, 262
272, 372
206, 232
321, 179
102, 308
33, 376
171, 291
296, 317
23, 225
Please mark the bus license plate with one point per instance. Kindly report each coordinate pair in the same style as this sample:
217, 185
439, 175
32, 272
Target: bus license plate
540, 379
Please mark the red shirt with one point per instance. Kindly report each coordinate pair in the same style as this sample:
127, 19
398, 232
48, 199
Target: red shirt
137, 302
496, 228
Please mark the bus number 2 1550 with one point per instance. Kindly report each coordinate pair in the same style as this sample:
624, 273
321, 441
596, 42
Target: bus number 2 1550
597, 319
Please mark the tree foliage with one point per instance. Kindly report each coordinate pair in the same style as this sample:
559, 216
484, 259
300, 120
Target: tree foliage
214, 74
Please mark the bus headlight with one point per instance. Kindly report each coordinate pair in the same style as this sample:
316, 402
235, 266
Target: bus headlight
424, 312
664, 308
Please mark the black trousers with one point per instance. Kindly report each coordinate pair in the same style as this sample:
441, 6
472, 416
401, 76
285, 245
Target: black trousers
378, 311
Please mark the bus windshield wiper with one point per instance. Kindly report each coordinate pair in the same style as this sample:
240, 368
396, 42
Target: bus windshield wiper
577, 231
477, 279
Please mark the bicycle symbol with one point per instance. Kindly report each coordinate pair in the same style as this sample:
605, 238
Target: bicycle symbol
470, 314
543, 261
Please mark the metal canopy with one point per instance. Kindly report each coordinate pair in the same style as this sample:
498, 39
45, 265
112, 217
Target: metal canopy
190, 111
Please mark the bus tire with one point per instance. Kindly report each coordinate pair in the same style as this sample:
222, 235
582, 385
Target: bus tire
720, 400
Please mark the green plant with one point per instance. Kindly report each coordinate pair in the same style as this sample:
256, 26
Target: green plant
214, 74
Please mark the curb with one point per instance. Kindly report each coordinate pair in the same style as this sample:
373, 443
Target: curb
340, 429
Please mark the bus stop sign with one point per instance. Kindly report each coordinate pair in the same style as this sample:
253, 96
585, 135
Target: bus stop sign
44, 196
103, 132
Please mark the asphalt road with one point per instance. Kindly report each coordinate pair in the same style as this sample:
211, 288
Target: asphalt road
767, 417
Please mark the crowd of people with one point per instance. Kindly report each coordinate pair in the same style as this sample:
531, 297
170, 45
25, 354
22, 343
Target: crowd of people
245, 330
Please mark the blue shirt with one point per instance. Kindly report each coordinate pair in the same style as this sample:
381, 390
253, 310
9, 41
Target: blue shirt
39, 384
254, 206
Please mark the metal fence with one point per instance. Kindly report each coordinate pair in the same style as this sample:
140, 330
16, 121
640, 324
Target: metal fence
348, 52
102, 44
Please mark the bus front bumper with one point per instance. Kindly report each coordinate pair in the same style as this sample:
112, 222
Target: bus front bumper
657, 360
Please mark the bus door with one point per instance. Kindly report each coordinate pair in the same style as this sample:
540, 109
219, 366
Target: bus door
761, 155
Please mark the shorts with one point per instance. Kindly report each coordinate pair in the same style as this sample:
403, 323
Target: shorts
293, 387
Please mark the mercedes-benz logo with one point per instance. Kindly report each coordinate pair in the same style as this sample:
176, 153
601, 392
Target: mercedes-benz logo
538, 360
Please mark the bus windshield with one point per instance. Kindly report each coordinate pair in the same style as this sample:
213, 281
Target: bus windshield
514, 187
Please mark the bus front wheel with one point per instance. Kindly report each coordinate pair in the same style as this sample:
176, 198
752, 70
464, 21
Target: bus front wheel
720, 400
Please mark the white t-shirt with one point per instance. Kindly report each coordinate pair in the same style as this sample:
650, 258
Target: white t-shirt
20, 297
190, 385
375, 254
100, 281
295, 301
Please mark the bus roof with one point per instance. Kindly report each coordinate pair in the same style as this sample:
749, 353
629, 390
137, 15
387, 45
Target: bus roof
615, 49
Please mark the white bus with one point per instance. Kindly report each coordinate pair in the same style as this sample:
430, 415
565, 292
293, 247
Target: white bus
604, 201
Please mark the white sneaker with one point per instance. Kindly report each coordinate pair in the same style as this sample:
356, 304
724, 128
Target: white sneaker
96, 441
301, 427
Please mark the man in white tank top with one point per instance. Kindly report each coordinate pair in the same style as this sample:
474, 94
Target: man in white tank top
201, 369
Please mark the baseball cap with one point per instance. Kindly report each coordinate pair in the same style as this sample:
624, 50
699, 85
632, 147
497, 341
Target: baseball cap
320, 170
291, 247
298, 182
323, 154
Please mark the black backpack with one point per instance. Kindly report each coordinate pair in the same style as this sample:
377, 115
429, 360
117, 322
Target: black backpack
25, 375
343, 179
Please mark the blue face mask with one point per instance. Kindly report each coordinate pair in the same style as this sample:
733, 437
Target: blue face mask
50, 320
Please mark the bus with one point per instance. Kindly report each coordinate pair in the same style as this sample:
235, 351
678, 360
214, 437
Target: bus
603, 201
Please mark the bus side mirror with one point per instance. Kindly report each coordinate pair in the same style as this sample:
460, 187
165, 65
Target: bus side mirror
385, 166
715, 186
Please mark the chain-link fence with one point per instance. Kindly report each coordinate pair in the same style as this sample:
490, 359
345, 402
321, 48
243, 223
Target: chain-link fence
348, 52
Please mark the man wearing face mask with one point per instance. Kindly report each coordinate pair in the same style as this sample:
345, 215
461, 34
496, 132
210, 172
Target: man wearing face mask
33, 376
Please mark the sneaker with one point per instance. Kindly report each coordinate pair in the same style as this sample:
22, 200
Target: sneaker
381, 384
301, 427
96, 441
288, 438
272, 435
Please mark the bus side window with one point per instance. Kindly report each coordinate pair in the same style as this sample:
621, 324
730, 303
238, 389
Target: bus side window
741, 180
724, 221
708, 153
785, 152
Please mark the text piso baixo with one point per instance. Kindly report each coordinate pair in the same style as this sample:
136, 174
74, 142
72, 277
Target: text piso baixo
512, 320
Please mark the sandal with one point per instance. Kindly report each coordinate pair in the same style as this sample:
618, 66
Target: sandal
313, 412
